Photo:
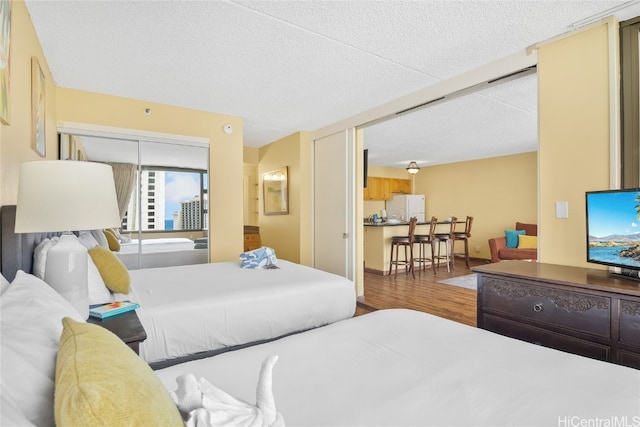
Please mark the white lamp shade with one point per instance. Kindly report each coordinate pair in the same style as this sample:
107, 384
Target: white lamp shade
65, 195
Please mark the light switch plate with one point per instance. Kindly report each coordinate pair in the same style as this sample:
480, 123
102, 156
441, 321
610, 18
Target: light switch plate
562, 209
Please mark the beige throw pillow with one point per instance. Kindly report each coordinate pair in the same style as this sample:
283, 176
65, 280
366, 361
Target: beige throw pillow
112, 270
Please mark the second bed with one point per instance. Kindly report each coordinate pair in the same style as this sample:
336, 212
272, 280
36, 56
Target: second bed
198, 309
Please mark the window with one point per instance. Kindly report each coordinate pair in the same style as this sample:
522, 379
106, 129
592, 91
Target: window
175, 199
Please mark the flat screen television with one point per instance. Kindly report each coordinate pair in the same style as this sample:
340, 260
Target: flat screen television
613, 229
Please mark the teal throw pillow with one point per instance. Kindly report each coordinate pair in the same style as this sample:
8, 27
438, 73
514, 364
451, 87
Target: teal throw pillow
512, 237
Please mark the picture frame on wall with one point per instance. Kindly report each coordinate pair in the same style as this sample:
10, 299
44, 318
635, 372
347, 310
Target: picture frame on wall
38, 140
5, 57
275, 191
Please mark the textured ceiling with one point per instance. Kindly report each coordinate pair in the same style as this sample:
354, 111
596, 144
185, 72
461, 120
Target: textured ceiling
286, 66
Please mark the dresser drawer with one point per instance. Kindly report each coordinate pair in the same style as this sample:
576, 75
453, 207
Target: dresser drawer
546, 338
630, 322
628, 358
559, 308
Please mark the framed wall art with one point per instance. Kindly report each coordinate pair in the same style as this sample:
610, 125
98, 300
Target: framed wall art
275, 191
5, 56
38, 140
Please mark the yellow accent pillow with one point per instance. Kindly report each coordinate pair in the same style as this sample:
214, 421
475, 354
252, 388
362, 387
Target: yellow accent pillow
112, 270
527, 242
102, 382
112, 239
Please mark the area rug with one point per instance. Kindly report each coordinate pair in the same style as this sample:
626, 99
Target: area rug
469, 281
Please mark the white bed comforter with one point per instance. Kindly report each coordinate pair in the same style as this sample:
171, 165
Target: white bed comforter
401, 367
163, 252
168, 244
194, 308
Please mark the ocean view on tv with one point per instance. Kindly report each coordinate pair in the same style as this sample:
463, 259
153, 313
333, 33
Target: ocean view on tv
613, 228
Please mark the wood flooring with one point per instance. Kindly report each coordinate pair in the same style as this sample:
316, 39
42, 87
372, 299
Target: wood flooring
423, 293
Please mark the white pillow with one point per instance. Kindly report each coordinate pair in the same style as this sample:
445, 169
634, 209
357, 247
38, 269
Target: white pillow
31, 324
100, 238
4, 284
87, 240
98, 291
11, 414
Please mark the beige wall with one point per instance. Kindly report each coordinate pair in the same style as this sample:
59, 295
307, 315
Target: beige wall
15, 139
574, 109
288, 234
251, 155
496, 192
225, 152
251, 205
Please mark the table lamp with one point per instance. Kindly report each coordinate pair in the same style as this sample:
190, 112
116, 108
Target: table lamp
65, 196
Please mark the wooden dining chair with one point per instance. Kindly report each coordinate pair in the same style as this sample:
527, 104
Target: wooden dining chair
407, 243
463, 236
423, 240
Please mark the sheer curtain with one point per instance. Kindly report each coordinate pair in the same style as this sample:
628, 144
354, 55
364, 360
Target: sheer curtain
124, 176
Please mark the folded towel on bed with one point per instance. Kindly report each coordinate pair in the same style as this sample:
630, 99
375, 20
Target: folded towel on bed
258, 258
206, 405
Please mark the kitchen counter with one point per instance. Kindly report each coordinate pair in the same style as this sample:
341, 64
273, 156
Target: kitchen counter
377, 242
384, 224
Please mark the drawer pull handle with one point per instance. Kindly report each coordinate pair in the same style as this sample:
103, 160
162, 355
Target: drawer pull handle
537, 308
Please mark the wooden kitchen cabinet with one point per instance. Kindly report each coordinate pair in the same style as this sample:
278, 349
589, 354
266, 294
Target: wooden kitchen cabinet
400, 185
380, 188
377, 188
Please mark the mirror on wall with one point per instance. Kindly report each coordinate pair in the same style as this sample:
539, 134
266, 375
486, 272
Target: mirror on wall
162, 190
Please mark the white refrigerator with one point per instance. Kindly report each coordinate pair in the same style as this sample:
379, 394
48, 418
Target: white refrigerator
405, 206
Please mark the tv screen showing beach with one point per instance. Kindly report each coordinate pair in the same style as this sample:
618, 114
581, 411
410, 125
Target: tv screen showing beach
613, 228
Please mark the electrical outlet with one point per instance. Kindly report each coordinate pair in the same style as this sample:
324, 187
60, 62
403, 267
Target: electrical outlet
477, 248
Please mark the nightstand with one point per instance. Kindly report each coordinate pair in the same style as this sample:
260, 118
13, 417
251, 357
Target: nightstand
125, 326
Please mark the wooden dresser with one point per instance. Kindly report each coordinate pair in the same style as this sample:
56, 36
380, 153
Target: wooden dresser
578, 310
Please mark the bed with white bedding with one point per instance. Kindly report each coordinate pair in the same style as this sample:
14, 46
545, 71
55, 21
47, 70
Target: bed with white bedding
407, 368
191, 309
168, 251
387, 368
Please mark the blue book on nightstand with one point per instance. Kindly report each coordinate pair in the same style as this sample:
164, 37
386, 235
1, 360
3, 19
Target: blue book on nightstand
102, 311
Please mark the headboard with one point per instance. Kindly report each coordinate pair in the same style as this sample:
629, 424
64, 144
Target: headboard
16, 250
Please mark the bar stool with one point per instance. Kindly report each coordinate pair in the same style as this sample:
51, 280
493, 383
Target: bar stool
407, 243
463, 236
447, 239
423, 240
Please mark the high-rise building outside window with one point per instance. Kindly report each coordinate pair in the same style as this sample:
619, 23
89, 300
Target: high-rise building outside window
177, 199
